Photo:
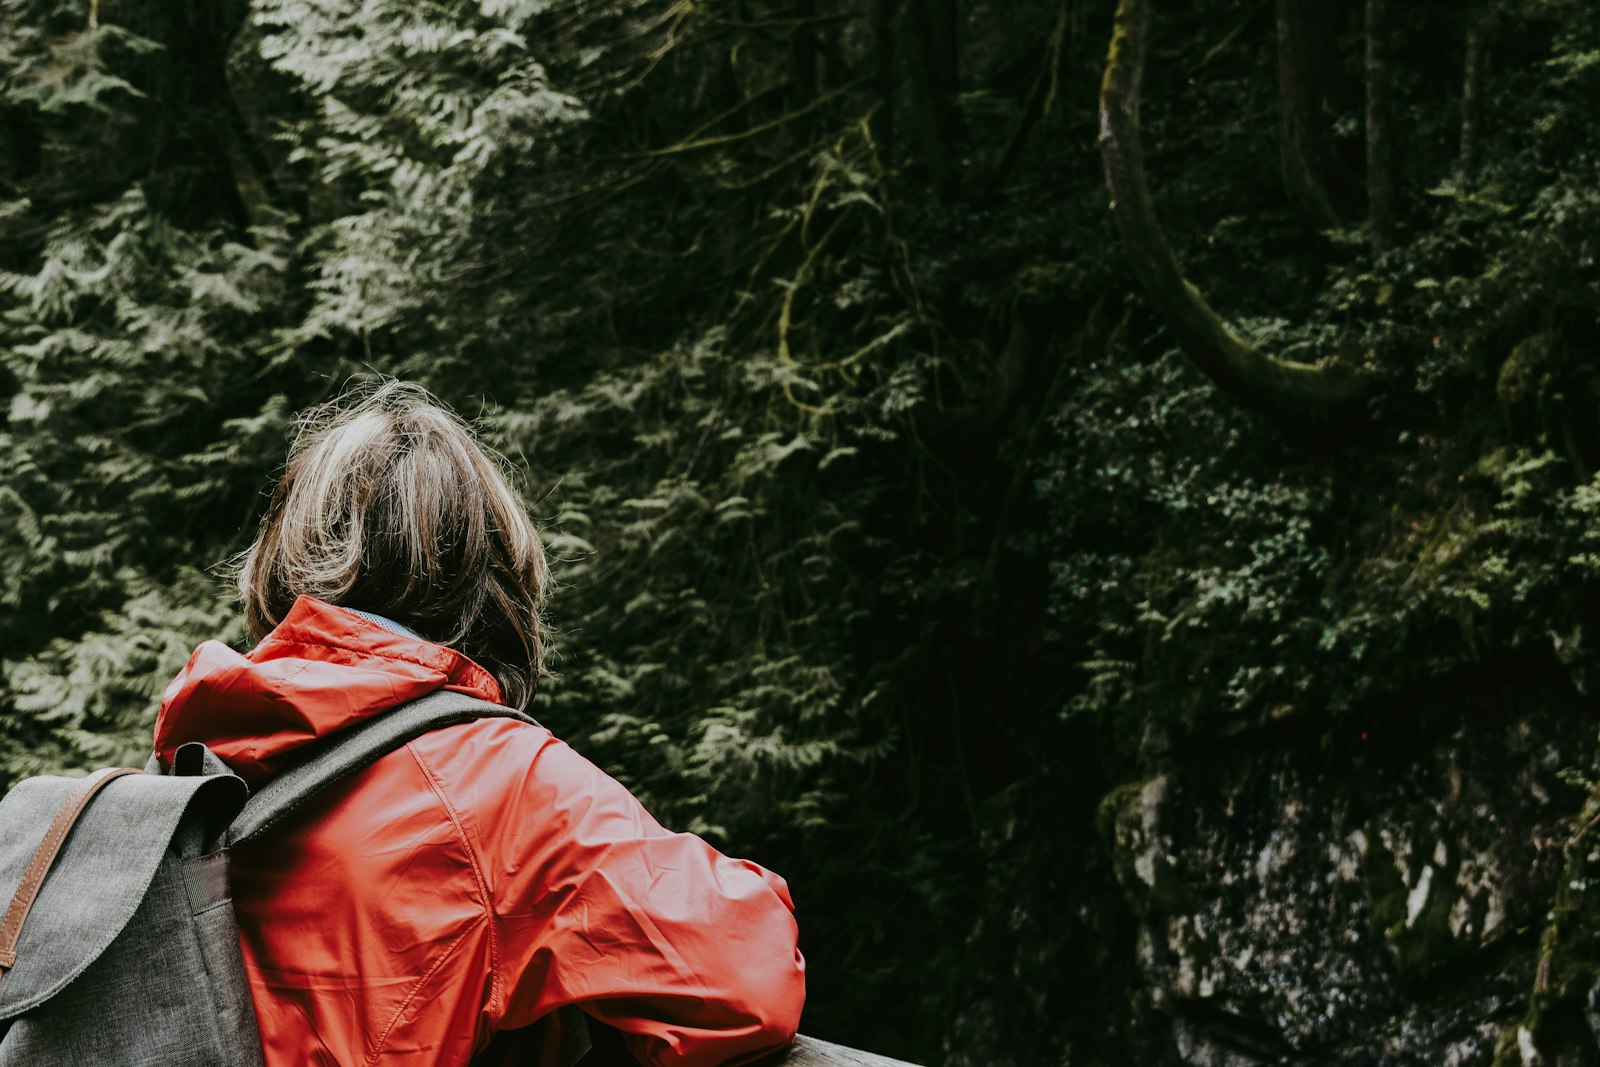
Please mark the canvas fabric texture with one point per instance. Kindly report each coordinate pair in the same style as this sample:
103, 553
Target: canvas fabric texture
130, 955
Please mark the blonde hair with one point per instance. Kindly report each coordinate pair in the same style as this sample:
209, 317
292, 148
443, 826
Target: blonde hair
389, 504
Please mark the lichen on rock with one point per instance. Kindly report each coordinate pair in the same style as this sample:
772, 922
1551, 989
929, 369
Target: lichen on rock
1377, 907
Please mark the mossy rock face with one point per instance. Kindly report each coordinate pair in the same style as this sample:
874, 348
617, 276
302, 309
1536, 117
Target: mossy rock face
1435, 894
1564, 1006
1382, 900
1130, 825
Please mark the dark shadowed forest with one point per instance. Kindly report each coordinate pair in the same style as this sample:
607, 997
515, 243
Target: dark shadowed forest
1105, 500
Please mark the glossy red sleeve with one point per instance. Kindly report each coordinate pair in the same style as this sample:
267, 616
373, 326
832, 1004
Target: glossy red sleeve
688, 952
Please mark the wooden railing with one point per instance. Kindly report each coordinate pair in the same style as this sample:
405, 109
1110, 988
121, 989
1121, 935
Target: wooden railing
809, 1052
607, 1049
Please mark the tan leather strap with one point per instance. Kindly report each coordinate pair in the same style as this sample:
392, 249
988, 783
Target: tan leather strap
43, 857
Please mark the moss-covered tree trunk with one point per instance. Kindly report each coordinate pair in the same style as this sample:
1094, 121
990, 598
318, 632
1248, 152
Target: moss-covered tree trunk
1320, 395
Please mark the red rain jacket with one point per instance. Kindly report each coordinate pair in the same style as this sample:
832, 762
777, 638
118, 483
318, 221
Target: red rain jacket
475, 880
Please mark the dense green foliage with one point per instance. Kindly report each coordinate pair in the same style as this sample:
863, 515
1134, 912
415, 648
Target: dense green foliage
893, 528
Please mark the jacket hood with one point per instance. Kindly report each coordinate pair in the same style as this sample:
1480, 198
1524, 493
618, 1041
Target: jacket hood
324, 668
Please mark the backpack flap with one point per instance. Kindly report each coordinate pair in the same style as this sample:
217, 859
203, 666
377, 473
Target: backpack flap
102, 871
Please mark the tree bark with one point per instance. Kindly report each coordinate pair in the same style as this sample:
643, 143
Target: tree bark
1033, 109
935, 79
1305, 152
944, 40
804, 45
883, 17
1478, 20
1380, 153
1316, 395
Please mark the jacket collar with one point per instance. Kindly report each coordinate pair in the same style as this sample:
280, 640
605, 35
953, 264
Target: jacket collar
322, 669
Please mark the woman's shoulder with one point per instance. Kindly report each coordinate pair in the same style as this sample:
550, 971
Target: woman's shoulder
490, 763
483, 758
518, 782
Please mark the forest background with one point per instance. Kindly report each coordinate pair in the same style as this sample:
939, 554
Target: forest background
1125, 662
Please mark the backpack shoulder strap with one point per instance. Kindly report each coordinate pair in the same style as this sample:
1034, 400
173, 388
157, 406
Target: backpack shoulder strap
353, 750
43, 858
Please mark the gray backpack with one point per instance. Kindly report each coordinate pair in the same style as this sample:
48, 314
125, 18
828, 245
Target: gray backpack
119, 945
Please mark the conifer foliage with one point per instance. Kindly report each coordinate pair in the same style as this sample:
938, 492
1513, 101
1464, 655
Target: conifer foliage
892, 524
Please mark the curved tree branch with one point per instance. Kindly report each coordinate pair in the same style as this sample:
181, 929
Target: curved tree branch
1297, 391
